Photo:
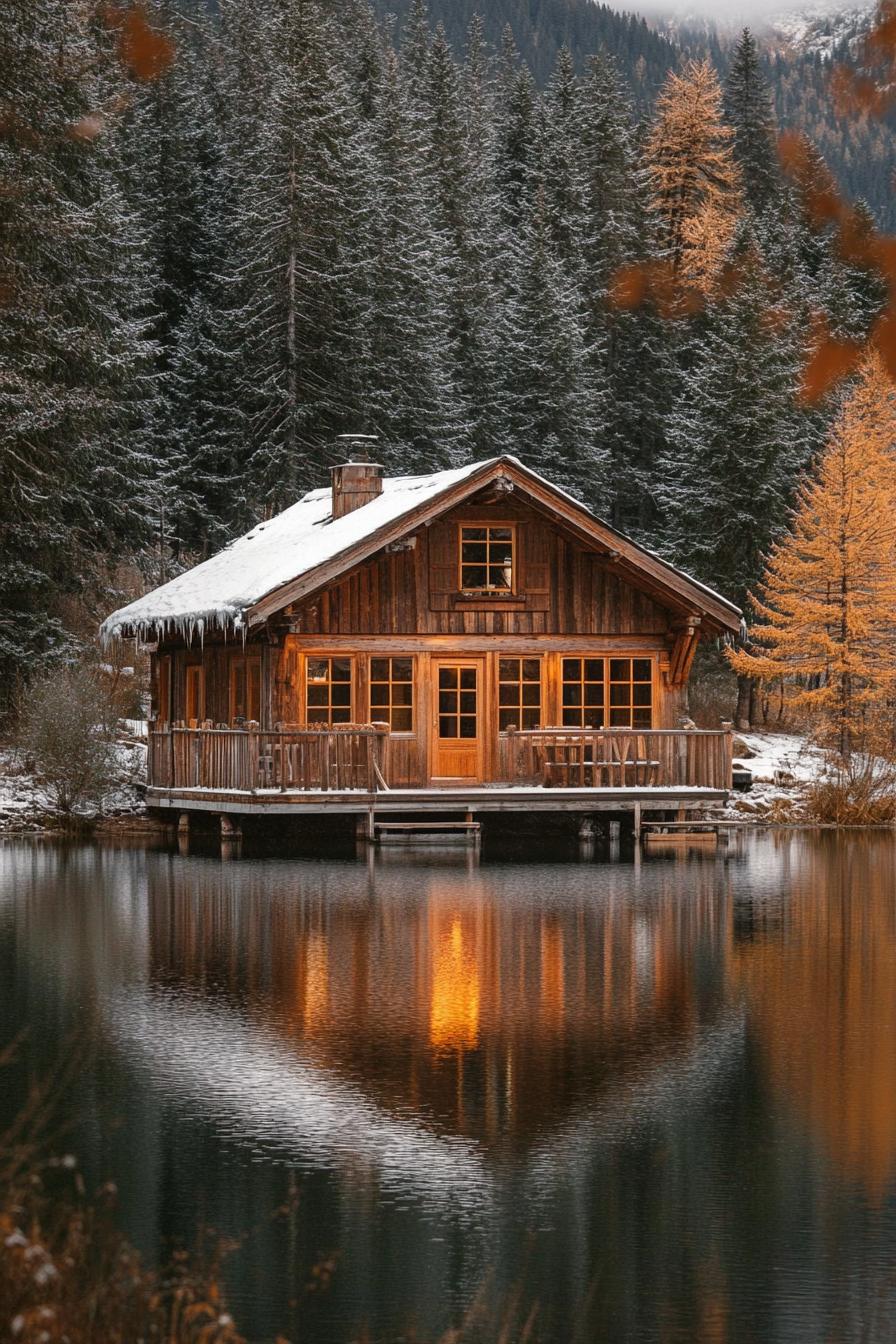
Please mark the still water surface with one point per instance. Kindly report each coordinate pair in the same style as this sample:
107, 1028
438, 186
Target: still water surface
655, 1101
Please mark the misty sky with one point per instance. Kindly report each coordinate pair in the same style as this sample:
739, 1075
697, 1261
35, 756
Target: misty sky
735, 11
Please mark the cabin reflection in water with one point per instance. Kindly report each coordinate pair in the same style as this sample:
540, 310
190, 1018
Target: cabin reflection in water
489, 1019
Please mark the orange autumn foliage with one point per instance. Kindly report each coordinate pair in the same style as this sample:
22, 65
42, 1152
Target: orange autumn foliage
827, 610
869, 88
145, 51
693, 175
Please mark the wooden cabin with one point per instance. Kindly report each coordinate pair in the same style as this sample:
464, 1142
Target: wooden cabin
471, 637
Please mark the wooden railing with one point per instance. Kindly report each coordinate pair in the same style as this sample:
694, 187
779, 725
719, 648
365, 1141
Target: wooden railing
355, 756
337, 757
617, 757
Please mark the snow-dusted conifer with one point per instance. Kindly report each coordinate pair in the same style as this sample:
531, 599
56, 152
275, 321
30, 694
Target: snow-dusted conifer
737, 437
748, 109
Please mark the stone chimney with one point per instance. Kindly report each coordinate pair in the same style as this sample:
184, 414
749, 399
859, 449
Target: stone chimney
356, 481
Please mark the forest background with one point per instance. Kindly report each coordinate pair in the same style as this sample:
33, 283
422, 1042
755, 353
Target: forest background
232, 234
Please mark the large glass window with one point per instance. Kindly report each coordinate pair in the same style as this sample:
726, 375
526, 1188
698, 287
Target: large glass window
631, 692
583, 693
613, 692
487, 559
195, 694
163, 705
392, 693
519, 693
245, 689
328, 690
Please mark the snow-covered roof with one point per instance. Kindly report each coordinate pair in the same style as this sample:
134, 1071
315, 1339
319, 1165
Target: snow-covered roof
307, 541
217, 592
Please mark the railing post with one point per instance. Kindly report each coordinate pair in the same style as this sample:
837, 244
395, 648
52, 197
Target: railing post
682, 758
382, 731
511, 765
728, 757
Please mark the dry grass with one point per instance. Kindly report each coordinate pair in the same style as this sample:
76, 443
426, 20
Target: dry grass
860, 792
67, 1274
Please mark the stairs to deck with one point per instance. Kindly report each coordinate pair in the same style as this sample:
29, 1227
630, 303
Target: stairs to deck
426, 832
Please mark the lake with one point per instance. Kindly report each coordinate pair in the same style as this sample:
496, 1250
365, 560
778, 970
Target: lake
641, 1100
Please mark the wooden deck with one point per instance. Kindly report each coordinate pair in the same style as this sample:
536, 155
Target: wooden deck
346, 770
492, 799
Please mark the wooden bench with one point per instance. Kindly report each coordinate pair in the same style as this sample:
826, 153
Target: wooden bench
570, 764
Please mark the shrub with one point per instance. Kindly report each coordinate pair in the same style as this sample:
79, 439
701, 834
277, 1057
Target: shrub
857, 792
64, 729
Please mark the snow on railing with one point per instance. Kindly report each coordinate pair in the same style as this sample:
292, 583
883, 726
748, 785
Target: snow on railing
325, 758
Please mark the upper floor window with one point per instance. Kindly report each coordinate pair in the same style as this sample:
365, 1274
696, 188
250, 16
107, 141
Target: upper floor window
392, 693
328, 690
487, 558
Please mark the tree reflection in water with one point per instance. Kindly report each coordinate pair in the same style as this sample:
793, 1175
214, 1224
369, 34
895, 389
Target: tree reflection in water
659, 1102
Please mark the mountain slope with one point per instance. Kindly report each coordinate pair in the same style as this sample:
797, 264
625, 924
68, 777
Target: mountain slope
800, 49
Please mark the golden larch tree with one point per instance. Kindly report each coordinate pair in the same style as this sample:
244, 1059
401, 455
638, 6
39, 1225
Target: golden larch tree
827, 609
694, 177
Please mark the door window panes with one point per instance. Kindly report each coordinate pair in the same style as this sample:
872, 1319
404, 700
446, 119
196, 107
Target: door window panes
245, 689
458, 703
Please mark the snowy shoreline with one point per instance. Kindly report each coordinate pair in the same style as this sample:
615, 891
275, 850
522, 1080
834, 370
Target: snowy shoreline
781, 764
27, 809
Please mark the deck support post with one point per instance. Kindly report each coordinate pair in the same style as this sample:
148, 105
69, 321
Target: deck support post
365, 827
183, 824
230, 828
636, 819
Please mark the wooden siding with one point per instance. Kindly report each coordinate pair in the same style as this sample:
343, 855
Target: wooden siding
563, 588
568, 600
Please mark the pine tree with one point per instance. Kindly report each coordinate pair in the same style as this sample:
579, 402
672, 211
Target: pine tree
482, 334
737, 437
631, 350
77, 387
748, 108
693, 174
284, 153
561, 169
554, 406
828, 595
397, 376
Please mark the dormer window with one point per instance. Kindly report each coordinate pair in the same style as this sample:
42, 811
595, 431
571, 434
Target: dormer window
487, 558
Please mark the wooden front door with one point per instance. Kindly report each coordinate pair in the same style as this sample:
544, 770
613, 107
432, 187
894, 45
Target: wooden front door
457, 719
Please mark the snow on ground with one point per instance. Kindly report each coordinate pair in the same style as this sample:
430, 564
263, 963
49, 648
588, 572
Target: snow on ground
776, 755
25, 804
781, 764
